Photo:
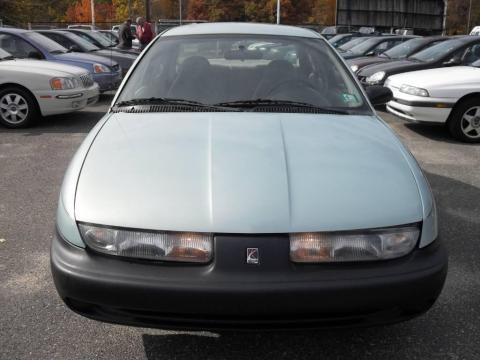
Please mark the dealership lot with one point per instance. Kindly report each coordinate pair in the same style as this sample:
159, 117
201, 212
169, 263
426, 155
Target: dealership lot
35, 324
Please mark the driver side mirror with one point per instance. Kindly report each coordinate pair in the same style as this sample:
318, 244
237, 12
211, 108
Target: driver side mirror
379, 95
75, 48
35, 55
453, 62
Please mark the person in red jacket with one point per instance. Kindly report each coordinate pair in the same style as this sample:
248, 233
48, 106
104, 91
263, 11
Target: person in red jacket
144, 32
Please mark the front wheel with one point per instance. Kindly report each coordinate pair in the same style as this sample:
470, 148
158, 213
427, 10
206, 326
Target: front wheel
464, 123
18, 108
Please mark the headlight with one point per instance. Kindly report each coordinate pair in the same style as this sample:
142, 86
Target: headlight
64, 83
375, 78
354, 68
412, 90
99, 68
379, 244
164, 246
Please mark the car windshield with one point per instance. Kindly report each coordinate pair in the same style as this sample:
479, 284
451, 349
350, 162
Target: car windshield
404, 49
84, 44
437, 52
102, 39
352, 43
363, 47
48, 44
229, 69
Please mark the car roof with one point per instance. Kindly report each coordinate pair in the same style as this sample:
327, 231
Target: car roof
14, 30
241, 28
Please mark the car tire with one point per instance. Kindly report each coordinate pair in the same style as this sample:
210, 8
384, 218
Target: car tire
18, 108
464, 122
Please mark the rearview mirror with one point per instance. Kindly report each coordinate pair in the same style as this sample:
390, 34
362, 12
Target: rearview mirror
379, 95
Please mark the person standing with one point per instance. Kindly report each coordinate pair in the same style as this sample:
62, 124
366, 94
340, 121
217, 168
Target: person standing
144, 32
125, 35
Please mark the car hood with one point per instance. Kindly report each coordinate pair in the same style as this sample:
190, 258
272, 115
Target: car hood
86, 58
115, 54
392, 67
246, 173
438, 78
42, 67
367, 60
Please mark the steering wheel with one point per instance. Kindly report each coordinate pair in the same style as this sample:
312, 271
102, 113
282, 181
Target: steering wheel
292, 83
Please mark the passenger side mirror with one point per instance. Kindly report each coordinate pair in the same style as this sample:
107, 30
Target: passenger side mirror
379, 95
34, 55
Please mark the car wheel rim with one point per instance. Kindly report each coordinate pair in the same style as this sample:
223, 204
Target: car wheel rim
13, 108
471, 122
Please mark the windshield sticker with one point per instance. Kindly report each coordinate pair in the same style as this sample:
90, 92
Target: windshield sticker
349, 98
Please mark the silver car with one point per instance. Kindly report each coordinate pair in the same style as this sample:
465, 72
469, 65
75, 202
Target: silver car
240, 186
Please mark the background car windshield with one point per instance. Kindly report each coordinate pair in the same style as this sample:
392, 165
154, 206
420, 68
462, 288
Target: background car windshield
352, 43
218, 69
402, 50
364, 46
46, 43
436, 52
81, 42
100, 38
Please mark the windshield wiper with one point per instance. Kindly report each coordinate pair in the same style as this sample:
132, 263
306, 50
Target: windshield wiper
252, 104
10, 57
169, 101
57, 52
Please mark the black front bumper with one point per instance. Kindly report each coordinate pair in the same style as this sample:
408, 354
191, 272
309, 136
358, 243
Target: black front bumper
228, 293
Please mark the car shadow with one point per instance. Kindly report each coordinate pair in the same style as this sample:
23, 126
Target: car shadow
438, 334
76, 122
437, 132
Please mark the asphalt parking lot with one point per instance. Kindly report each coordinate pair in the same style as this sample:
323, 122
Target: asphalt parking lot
34, 323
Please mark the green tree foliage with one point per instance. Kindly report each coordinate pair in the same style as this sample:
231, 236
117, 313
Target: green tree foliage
128, 8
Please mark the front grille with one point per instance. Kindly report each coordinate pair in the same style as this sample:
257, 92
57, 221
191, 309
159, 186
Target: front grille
87, 80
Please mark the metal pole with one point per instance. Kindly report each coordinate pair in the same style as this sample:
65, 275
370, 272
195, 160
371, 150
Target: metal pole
92, 9
129, 9
278, 11
469, 16
147, 10
336, 14
444, 32
180, 11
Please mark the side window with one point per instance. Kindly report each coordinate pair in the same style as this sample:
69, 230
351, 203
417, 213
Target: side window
471, 55
17, 46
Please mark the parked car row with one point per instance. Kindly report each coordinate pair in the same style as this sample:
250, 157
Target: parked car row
53, 60
434, 79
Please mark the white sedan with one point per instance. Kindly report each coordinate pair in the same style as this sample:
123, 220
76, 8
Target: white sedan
33, 88
447, 95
